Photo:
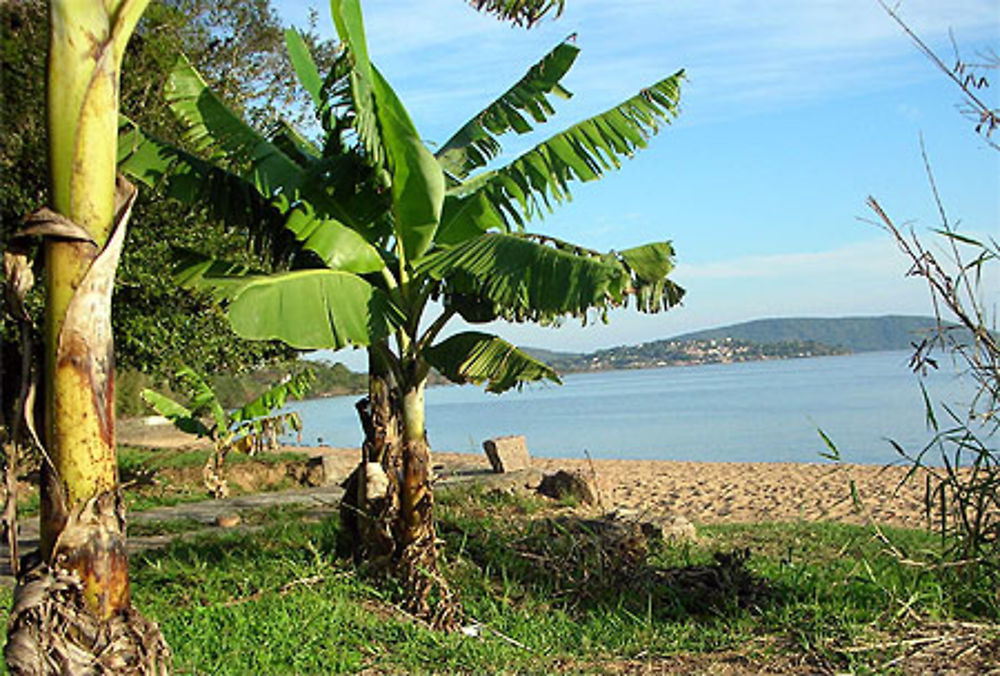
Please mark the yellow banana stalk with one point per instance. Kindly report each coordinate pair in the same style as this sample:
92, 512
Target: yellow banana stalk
87, 43
83, 574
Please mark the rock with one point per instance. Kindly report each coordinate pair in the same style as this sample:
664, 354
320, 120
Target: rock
507, 454
573, 485
310, 475
376, 481
675, 529
322, 470
228, 520
669, 528
523, 481
154, 420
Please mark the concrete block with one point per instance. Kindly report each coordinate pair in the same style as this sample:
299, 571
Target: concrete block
507, 454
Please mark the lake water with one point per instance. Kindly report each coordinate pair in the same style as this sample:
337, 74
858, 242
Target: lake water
754, 411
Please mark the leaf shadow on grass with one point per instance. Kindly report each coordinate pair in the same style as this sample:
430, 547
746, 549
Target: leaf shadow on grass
581, 564
206, 569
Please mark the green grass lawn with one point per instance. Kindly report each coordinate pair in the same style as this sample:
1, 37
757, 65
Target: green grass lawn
132, 459
548, 599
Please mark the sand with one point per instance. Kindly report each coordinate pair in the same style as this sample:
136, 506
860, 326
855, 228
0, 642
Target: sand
720, 492
703, 492
717, 492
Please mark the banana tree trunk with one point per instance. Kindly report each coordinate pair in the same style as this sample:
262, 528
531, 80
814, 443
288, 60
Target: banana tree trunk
387, 515
369, 512
428, 593
417, 499
72, 613
79, 362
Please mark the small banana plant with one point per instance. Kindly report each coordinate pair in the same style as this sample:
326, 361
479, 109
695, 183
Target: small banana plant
249, 429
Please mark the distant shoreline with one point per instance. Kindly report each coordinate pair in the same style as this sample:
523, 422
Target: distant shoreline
723, 358
438, 381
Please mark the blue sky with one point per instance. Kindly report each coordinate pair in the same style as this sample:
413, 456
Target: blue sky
793, 113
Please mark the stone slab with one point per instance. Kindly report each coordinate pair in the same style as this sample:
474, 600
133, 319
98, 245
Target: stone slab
507, 454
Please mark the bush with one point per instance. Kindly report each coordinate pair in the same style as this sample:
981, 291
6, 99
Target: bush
962, 492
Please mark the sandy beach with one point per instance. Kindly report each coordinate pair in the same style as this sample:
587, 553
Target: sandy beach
703, 492
720, 492
712, 492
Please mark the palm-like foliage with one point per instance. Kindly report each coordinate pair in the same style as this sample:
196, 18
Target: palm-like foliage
528, 186
487, 359
412, 227
475, 143
253, 426
521, 12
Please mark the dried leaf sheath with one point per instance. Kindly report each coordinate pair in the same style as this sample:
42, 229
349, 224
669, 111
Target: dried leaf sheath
85, 341
72, 613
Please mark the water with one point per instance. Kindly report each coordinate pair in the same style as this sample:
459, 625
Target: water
755, 411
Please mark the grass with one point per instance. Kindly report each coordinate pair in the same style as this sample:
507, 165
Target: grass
132, 460
276, 601
164, 527
261, 516
826, 586
137, 466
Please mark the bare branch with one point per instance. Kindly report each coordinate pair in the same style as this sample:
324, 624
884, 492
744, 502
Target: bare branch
965, 75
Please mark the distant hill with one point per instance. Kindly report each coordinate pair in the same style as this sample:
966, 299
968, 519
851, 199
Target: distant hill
549, 356
856, 334
752, 341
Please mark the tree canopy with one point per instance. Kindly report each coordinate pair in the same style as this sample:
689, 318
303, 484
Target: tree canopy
239, 47
382, 226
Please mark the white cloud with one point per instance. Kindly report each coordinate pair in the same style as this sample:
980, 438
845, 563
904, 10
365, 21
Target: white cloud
740, 56
869, 259
866, 278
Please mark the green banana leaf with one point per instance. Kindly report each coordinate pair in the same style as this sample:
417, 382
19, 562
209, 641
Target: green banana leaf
313, 309
529, 277
187, 178
212, 128
239, 203
304, 66
299, 149
350, 29
648, 265
388, 133
520, 12
529, 185
175, 412
274, 398
340, 247
527, 280
223, 280
474, 357
475, 144
417, 179
203, 397
468, 217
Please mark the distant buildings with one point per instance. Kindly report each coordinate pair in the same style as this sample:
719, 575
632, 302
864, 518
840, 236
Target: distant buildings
689, 353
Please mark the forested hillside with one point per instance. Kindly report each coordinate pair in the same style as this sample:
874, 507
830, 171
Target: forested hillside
856, 334
755, 340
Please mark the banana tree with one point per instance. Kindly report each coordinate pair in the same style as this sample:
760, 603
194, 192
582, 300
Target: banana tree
412, 227
72, 611
247, 429
520, 12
